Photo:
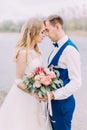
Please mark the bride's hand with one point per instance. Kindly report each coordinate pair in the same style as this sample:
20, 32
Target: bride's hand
46, 97
39, 98
43, 98
36, 96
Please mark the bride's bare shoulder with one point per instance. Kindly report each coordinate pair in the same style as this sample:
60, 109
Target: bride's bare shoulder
22, 54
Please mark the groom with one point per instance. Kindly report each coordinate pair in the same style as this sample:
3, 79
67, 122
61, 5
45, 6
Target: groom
66, 56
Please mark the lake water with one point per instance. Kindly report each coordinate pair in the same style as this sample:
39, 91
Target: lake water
7, 70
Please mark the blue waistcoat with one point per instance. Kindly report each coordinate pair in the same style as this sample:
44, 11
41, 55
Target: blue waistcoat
62, 109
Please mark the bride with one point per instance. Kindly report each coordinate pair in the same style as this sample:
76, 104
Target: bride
20, 110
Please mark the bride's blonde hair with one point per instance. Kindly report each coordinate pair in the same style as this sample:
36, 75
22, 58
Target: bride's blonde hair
29, 37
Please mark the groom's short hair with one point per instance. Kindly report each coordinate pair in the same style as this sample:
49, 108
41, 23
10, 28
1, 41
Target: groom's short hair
54, 19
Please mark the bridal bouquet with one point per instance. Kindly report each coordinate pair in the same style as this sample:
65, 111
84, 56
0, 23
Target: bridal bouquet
41, 81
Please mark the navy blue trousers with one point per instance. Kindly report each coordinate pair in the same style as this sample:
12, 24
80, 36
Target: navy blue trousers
62, 113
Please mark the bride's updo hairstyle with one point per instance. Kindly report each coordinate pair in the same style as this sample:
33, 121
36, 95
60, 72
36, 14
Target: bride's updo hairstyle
29, 36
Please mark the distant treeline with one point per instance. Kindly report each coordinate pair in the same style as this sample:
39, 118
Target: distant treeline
10, 26
76, 24
73, 24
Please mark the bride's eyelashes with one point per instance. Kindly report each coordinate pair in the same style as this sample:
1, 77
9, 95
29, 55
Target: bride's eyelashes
43, 32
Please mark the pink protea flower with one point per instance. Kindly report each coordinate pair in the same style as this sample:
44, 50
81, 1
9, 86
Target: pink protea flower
39, 70
46, 80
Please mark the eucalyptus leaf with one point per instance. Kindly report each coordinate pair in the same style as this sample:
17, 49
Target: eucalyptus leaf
57, 73
54, 86
34, 86
56, 66
43, 89
48, 89
56, 81
40, 94
33, 90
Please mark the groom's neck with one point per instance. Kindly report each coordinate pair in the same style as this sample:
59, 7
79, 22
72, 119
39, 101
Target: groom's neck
61, 35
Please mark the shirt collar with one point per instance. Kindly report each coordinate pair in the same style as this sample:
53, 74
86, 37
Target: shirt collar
62, 41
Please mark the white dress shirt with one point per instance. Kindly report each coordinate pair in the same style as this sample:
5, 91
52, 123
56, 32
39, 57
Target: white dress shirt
70, 59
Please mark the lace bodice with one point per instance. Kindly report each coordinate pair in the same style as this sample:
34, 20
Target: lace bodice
34, 61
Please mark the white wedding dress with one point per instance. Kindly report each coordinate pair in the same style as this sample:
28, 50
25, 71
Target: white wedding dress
21, 111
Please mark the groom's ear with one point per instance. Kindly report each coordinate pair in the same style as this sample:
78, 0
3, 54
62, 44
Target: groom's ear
58, 26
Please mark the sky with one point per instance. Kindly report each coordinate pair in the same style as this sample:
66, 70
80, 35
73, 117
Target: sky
23, 9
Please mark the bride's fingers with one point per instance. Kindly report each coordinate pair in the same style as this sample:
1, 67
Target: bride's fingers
36, 96
39, 98
43, 99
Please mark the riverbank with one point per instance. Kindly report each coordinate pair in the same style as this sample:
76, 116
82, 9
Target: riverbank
69, 32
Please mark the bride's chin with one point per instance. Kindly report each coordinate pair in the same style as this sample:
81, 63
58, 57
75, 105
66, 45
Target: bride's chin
40, 40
